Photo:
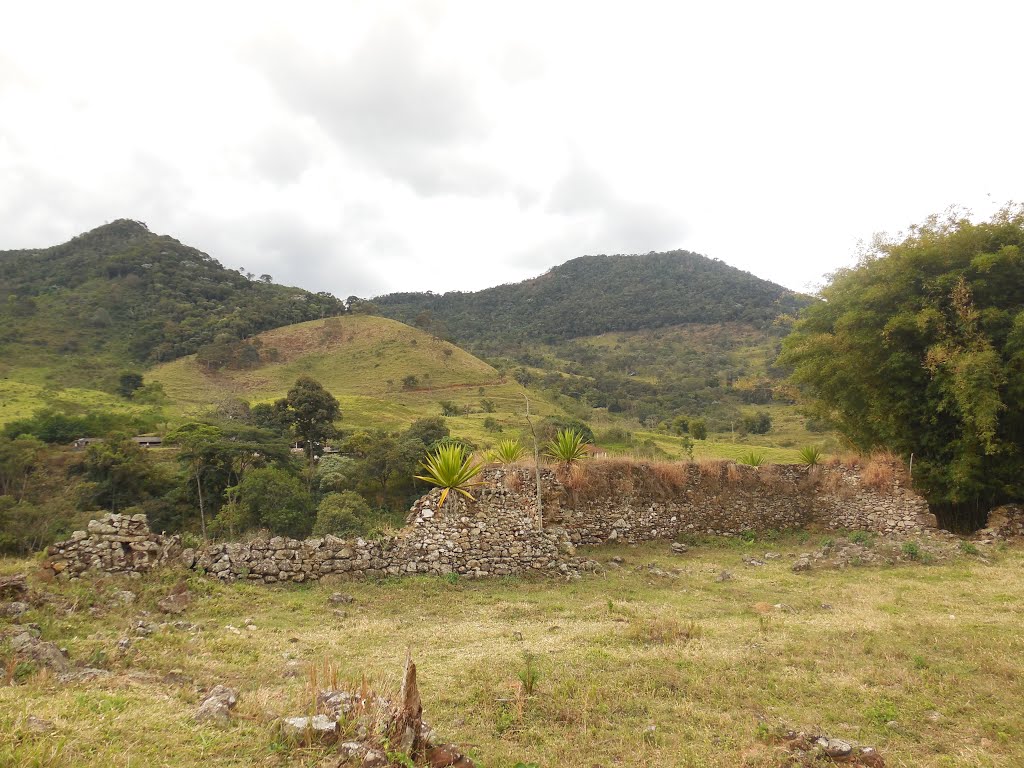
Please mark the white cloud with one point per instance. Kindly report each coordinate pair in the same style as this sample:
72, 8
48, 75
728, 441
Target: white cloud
367, 147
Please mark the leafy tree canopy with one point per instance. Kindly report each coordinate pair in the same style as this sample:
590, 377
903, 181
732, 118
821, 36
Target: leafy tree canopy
919, 349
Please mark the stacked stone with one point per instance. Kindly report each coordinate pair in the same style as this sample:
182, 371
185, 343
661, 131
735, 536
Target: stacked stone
113, 544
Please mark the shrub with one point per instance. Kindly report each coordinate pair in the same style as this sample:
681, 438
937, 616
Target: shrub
699, 429
342, 514
491, 424
567, 447
277, 500
912, 550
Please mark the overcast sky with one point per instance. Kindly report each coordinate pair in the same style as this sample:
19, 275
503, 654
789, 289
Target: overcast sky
370, 147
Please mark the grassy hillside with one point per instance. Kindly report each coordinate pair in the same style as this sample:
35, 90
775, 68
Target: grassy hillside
365, 362
923, 662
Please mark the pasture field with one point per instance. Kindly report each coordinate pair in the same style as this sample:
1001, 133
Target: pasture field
654, 662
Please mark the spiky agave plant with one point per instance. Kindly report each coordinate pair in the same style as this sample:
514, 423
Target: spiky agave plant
567, 447
508, 451
810, 456
752, 459
450, 469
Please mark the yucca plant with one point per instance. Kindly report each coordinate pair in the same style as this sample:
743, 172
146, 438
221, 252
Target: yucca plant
810, 456
508, 451
450, 468
752, 459
567, 447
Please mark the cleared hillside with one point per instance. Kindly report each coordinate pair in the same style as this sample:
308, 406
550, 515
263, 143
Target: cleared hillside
364, 361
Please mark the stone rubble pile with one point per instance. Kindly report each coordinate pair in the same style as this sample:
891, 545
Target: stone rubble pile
113, 544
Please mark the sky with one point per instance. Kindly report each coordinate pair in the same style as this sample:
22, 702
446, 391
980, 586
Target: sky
370, 147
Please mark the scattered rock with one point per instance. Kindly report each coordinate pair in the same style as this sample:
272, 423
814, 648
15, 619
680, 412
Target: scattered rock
834, 748
447, 756
753, 560
216, 707
38, 725
618, 560
802, 564
175, 603
13, 586
319, 729
724, 576
934, 716
44, 653
339, 598
772, 555
517, 636
14, 610
374, 758
124, 596
679, 548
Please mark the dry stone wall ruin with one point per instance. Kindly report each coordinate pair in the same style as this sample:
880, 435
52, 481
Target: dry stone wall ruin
500, 534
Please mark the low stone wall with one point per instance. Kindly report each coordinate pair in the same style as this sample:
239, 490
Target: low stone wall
493, 537
726, 499
114, 544
499, 533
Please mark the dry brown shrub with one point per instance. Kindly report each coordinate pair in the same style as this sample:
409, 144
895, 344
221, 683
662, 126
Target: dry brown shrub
881, 471
672, 477
712, 471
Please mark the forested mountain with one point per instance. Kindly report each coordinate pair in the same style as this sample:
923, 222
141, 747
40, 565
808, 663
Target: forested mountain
592, 295
121, 293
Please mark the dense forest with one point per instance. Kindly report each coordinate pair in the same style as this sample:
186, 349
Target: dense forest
591, 295
656, 337
129, 295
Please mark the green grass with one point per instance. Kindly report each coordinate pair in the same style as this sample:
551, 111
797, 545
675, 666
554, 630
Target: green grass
20, 398
707, 662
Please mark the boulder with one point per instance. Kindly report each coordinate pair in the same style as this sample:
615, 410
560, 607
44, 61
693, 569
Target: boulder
216, 707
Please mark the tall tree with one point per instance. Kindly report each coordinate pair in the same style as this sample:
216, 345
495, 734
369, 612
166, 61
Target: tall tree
311, 411
920, 349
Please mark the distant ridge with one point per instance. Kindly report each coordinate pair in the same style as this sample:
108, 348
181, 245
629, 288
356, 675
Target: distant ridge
591, 295
120, 294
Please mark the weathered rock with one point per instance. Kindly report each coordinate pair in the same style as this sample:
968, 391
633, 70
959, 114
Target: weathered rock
319, 729
44, 653
374, 758
13, 586
679, 548
14, 610
175, 603
834, 748
447, 756
38, 725
724, 576
216, 707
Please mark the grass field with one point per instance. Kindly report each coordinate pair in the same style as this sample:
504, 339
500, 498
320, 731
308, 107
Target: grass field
924, 662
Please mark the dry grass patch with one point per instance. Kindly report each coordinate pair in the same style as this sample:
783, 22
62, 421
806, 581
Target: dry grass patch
853, 651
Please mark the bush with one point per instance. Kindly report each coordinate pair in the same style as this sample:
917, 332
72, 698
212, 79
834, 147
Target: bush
552, 425
758, 424
277, 500
699, 429
343, 514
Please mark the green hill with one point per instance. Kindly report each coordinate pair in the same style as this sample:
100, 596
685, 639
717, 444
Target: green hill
78, 313
592, 295
385, 375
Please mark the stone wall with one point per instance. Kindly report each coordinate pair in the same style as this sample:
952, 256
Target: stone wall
500, 534
114, 544
640, 503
